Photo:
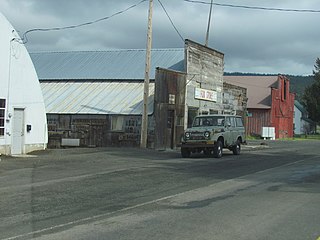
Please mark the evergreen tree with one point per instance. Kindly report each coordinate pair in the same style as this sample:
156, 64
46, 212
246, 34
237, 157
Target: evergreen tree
311, 96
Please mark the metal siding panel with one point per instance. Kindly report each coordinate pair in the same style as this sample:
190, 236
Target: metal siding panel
95, 98
103, 65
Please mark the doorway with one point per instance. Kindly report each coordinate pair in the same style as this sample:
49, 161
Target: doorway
170, 129
17, 132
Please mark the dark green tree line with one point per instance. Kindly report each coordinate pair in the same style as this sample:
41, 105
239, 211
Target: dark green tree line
311, 96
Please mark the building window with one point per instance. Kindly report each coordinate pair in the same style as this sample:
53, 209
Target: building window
172, 99
117, 123
2, 115
284, 90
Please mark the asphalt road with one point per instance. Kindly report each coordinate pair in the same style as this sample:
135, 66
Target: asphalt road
123, 193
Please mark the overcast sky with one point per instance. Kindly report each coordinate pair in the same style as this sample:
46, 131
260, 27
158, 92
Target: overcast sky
252, 40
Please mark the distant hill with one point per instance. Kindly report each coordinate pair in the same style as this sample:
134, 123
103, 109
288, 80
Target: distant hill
297, 83
248, 74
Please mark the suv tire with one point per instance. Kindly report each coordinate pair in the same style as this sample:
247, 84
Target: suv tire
236, 148
217, 149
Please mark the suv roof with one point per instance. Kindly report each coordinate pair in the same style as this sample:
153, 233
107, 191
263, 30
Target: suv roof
215, 115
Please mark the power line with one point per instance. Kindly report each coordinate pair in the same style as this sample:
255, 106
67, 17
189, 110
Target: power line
175, 28
172, 23
255, 8
25, 39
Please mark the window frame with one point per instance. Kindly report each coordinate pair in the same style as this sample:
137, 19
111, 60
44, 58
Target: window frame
117, 123
238, 120
2, 116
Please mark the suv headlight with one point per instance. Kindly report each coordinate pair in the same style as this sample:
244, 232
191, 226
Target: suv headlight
207, 135
187, 135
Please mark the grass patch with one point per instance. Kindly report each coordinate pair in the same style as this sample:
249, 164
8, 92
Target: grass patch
296, 137
253, 137
307, 137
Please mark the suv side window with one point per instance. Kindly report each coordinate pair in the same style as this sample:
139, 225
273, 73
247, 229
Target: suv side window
230, 120
227, 121
239, 122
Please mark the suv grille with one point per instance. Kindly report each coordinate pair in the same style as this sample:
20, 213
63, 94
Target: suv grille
197, 136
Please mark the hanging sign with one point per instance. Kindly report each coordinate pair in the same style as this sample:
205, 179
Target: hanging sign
205, 94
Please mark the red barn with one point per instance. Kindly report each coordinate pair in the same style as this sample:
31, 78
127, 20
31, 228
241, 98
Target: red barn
270, 103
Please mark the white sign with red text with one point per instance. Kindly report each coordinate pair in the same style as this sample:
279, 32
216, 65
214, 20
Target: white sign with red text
205, 94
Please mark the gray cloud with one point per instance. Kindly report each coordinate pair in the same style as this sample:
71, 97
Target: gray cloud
252, 40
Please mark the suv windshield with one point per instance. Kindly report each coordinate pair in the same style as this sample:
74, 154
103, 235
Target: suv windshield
208, 121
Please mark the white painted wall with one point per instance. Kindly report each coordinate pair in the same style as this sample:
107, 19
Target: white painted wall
20, 87
297, 121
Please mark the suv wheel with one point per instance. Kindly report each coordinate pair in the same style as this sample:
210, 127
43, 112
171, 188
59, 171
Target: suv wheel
217, 150
185, 152
236, 148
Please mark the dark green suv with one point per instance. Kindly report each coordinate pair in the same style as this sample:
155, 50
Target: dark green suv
211, 133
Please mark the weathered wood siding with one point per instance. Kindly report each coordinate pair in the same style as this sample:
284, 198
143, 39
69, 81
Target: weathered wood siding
98, 130
90, 129
205, 67
258, 118
169, 104
234, 99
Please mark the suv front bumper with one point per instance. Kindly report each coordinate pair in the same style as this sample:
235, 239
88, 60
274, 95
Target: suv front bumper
204, 144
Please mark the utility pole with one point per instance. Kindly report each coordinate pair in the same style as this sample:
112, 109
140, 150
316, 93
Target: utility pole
209, 23
144, 123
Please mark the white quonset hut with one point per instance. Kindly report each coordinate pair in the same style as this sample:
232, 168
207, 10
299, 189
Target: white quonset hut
23, 126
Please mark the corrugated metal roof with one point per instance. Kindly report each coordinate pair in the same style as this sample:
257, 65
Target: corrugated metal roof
104, 65
258, 89
125, 98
